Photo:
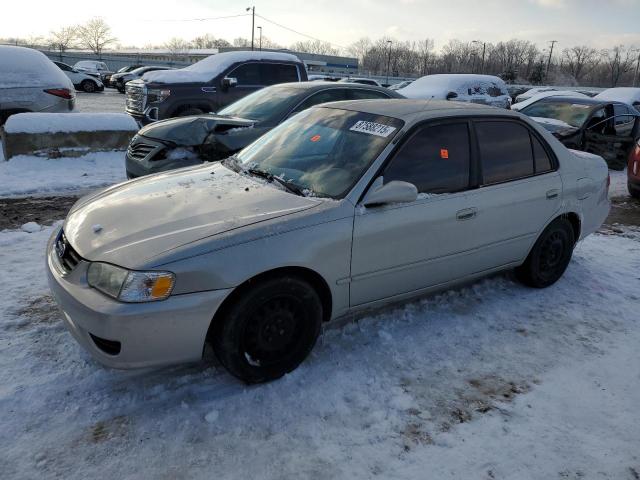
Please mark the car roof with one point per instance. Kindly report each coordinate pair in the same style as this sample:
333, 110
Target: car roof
321, 85
583, 101
414, 110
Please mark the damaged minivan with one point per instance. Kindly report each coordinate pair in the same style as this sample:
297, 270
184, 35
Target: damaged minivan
184, 141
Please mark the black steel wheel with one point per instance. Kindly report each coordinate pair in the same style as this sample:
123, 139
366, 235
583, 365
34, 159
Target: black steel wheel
550, 255
269, 329
88, 86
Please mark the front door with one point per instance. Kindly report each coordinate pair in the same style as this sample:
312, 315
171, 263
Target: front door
612, 138
404, 248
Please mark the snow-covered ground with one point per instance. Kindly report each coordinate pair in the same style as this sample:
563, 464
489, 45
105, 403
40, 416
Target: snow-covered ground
110, 101
494, 380
28, 175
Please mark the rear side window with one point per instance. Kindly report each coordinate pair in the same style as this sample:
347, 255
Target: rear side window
273, 73
331, 95
541, 159
505, 151
362, 94
435, 159
247, 74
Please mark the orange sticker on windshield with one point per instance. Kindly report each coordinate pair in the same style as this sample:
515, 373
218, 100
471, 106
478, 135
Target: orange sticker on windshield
315, 138
444, 153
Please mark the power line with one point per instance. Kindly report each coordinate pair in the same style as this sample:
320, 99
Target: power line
203, 19
300, 33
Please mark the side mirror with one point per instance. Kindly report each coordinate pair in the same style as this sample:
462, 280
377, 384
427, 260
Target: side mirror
393, 192
228, 82
452, 95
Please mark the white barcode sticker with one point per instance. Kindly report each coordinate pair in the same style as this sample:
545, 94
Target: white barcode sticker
373, 128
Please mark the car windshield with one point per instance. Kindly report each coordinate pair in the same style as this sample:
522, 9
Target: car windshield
574, 114
321, 150
267, 103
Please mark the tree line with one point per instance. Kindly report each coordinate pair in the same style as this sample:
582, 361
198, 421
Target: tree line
516, 61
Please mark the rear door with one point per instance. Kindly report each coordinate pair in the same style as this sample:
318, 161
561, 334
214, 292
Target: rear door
403, 248
274, 73
520, 190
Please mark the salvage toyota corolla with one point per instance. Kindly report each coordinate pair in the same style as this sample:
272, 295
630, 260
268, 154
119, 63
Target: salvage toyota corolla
342, 207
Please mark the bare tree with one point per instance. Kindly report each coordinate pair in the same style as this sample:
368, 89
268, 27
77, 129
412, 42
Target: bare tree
209, 41
95, 35
579, 60
619, 61
177, 46
241, 42
315, 46
63, 39
425, 51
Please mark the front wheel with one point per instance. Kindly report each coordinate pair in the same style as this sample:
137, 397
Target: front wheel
549, 256
269, 330
88, 86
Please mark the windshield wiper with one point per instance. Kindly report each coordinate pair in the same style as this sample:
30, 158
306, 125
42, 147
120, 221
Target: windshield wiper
291, 187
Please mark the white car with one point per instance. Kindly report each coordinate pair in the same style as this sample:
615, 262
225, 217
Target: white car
460, 87
533, 91
363, 81
552, 93
628, 95
96, 69
30, 82
80, 80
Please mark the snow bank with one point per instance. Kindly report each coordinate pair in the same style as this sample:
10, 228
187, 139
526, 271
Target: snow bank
628, 95
554, 93
208, 68
22, 67
27, 175
70, 122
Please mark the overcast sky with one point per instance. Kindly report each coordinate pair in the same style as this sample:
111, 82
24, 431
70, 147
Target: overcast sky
600, 23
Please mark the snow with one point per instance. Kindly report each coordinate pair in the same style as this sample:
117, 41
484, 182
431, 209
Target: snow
554, 93
618, 186
493, 380
533, 91
27, 175
628, 95
67, 123
31, 227
22, 67
438, 86
208, 68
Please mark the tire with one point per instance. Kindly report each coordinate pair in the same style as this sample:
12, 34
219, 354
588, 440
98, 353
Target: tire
549, 256
189, 111
88, 86
269, 329
634, 191
121, 89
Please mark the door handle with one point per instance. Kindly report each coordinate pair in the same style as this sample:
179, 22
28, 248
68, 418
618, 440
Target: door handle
552, 194
466, 214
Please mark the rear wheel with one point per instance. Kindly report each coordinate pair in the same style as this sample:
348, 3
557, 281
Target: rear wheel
88, 86
550, 255
269, 330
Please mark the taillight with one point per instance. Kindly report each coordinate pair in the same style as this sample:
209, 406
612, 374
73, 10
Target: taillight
60, 92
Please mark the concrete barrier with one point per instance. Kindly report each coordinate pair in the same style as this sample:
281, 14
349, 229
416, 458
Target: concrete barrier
65, 135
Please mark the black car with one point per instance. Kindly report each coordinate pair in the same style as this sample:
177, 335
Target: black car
184, 141
118, 80
210, 84
608, 129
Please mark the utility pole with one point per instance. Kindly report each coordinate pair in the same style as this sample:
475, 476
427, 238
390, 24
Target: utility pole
553, 42
484, 50
260, 41
253, 22
388, 60
635, 77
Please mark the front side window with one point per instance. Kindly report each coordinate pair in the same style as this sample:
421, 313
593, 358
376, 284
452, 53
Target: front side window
247, 74
322, 150
505, 151
435, 159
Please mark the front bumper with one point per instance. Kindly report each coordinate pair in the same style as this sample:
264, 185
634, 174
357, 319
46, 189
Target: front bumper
148, 334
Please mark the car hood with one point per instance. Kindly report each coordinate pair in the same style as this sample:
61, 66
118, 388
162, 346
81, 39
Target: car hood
132, 222
556, 127
193, 130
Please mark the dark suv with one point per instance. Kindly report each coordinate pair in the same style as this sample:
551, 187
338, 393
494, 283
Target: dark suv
209, 85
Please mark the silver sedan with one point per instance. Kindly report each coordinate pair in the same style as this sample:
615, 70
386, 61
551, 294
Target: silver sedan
343, 207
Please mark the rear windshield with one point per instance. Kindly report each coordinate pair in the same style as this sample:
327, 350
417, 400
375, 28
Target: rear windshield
573, 114
322, 150
264, 104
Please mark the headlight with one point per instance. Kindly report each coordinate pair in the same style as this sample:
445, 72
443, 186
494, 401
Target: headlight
128, 285
157, 95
